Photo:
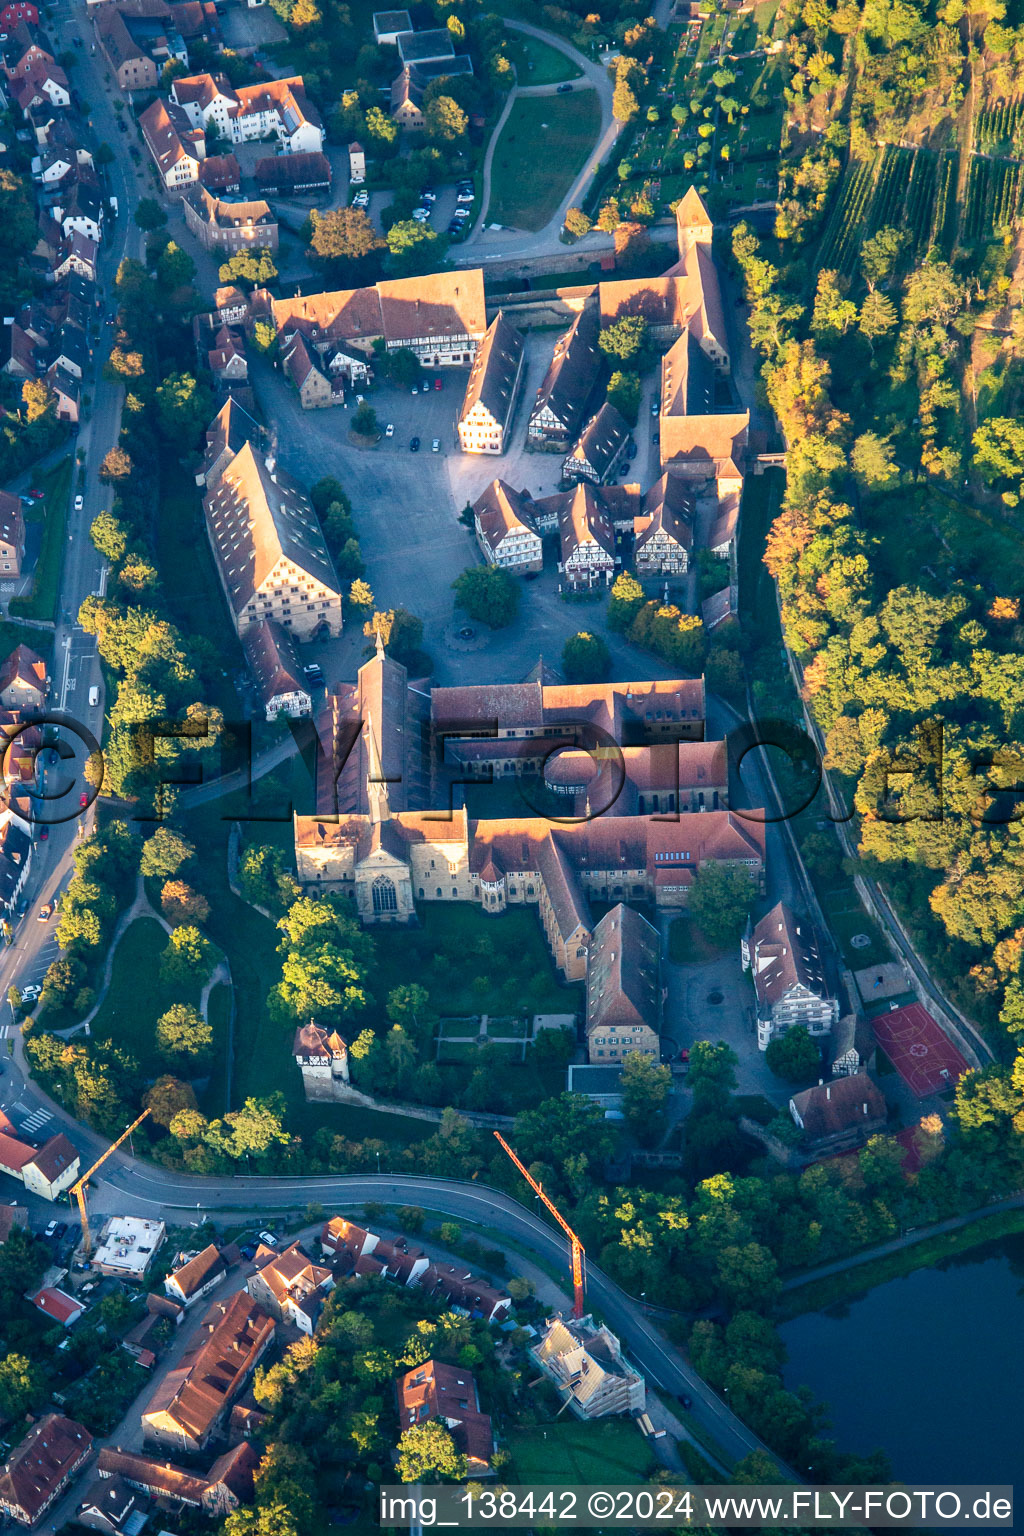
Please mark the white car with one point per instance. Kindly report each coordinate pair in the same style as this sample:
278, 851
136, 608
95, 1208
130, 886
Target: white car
465, 197
361, 199
268, 1239
428, 196
50, 1229
435, 446
421, 215
79, 503
29, 993
389, 430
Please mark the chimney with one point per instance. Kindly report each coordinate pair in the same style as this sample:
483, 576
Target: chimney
828, 1091
865, 1106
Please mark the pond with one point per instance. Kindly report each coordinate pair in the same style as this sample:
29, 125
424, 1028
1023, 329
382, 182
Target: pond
927, 1368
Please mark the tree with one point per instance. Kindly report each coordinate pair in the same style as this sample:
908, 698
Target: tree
175, 267
110, 536
168, 1097
360, 596
326, 957
793, 1056
187, 959
488, 594
343, 234
873, 460
182, 904
880, 255
21, 1385
877, 315
255, 267
165, 852
624, 103
427, 1454
364, 421
720, 898
415, 248
37, 399
401, 634
627, 598
444, 121
625, 339
183, 408
577, 223
645, 1090
999, 454
148, 214
624, 394
382, 132
586, 658
182, 1031
116, 466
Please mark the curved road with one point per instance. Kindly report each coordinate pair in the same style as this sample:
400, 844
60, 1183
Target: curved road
542, 241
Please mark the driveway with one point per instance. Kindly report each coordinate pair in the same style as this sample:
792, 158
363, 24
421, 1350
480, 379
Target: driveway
484, 241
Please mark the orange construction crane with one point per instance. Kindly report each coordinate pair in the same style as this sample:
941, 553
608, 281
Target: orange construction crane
78, 1190
576, 1247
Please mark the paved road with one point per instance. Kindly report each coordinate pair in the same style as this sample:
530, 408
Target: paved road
484, 242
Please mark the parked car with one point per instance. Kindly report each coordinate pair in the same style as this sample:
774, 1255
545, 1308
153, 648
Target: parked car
36, 495
439, 382
655, 406
421, 215
428, 195
83, 799
435, 446
464, 197
415, 389
45, 912
414, 445
389, 430
51, 1228
62, 1227
563, 88
30, 993
268, 1239
79, 503
457, 228
247, 1251
44, 833
313, 673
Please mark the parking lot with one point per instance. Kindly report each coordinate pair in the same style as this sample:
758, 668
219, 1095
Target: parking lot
440, 214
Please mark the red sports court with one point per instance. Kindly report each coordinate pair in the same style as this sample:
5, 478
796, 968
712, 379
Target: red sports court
925, 1058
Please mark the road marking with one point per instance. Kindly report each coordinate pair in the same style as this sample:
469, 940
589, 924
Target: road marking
34, 1121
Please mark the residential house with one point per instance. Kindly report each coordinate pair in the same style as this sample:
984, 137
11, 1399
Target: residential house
191, 1405
408, 89
587, 540
110, 1505
462, 1291
663, 531
176, 147
341, 1239
216, 1493
289, 1286
432, 45
720, 608
600, 450
231, 428
226, 358
388, 26
191, 1281
80, 211
15, 863
435, 1390
561, 402
492, 391
271, 108
41, 1465
624, 988
76, 254
44, 85
790, 979
302, 365
128, 1246
505, 529
220, 173
230, 305
356, 163
132, 64
274, 663
67, 393
48, 1170
12, 1216
322, 1057
18, 10
440, 317
840, 1114
57, 1305
12, 535
587, 1366
26, 46
294, 175
225, 227
269, 549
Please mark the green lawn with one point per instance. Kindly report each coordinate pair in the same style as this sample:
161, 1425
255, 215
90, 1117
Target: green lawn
545, 142
549, 65
41, 601
137, 997
609, 1450
214, 1099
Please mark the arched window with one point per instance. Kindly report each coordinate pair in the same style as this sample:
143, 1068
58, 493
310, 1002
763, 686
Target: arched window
421, 890
439, 891
385, 897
